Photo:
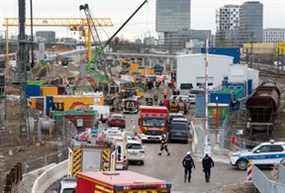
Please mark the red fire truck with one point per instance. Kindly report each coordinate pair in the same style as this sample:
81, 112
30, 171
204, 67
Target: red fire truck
119, 182
152, 122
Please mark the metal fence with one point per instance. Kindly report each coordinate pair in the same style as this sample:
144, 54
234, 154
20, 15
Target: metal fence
266, 185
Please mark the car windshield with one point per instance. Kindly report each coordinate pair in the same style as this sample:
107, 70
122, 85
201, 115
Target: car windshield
180, 127
153, 122
134, 146
69, 190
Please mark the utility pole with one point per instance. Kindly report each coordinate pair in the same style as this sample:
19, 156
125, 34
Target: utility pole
21, 72
206, 129
32, 35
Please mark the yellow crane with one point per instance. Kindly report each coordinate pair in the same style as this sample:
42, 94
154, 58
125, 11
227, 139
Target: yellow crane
74, 24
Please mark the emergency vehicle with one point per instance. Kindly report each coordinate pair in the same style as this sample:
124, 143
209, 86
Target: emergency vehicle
152, 122
268, 153
119, 182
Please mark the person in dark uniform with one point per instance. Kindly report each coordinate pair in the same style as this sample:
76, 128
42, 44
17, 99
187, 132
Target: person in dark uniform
188, 164
164, 145
207, 164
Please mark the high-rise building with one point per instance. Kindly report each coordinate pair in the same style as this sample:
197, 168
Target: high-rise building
227, 19
274, 35
173, 15
251, 22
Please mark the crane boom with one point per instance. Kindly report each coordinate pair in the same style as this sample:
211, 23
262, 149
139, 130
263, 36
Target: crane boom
58, 22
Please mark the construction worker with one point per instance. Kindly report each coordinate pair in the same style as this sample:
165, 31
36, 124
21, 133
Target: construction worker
207, 164
165, 93
188, 164
166, 102
164, 145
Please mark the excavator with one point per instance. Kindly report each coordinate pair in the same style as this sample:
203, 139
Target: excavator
98, 56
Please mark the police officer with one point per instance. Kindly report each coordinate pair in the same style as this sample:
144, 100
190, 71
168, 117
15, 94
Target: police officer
188, 164
207, 164
164, 145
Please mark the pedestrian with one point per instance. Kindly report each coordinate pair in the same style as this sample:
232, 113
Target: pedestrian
188, 164
164, 145
207, 164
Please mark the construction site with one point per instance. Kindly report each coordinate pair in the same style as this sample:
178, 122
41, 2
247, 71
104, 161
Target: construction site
94, 112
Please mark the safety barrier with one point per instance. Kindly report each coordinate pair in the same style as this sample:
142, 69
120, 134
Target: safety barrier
281, 174
50, 176
264, 184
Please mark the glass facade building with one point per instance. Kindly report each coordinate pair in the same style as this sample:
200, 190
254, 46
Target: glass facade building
251, 22
173, 15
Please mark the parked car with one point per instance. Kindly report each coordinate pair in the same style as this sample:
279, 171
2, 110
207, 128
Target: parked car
136, 152
67, 185
117, 120
265, 154
179, 131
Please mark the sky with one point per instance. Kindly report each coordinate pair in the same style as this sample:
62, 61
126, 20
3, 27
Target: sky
143, 24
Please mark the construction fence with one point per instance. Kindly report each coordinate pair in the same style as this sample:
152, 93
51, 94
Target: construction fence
267, 185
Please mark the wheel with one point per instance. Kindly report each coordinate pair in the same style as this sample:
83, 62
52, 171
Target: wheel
242, 164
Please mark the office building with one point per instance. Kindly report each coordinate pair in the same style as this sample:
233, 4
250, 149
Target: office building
274, 35
251, 22
227, 21
172, 16
176, 41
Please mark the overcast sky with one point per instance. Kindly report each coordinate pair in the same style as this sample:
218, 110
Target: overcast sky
203, 13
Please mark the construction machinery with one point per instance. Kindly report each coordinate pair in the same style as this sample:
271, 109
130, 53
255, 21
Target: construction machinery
99, 46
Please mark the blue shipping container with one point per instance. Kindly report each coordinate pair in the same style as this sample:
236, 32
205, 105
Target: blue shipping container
220, 97
32, 90
234, 52
200, 106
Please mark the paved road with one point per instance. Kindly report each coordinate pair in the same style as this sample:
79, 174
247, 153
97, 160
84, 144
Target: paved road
170, 167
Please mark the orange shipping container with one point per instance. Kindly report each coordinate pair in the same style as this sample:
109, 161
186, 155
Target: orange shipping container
74, 102
49, 91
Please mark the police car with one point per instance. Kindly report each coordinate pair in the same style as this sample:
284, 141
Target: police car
268, 153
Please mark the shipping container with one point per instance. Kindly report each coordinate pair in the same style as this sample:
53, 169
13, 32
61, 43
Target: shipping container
234, 52
37, 102
49, 90
66, 102
32, 90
